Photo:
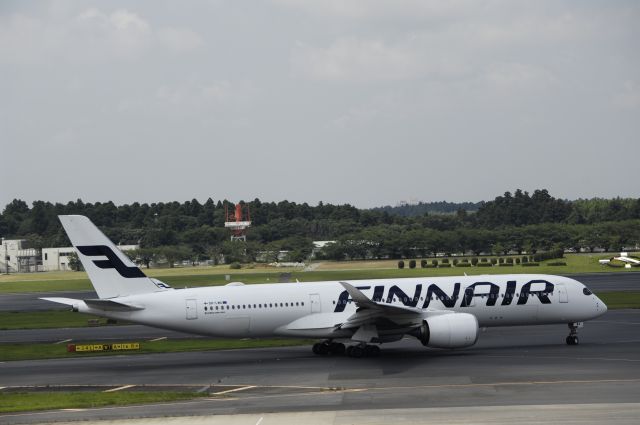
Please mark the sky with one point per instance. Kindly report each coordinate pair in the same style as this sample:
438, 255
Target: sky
340, 101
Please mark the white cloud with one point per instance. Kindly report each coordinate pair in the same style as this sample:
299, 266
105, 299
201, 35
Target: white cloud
121, 32
382, 9
509, 76
354, 59
629, 96
88, 35
180, 39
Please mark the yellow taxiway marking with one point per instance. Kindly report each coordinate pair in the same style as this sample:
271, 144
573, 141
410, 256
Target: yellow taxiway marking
248, 387
124, 387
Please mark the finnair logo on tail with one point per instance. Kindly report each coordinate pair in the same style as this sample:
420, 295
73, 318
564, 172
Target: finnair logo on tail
112, 261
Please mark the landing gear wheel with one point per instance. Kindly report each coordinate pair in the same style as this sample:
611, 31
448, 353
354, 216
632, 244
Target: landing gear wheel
356, 351
372, 351
337, 348
321, 348
572, 339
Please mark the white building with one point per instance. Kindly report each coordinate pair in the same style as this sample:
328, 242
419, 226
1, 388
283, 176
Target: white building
54, 259
16, 257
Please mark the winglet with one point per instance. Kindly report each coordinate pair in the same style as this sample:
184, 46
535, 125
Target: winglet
358, 297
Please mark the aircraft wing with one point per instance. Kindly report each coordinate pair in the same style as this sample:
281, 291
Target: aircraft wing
370, 313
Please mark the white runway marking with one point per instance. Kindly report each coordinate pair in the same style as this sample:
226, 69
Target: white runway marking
158, 339
234, 390
260, 420
63, 341
124, 387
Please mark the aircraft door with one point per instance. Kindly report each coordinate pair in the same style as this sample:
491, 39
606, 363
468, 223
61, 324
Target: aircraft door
314, 300
563, 297
192, 309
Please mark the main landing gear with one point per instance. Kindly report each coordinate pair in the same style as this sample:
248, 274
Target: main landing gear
330, 348
572, 339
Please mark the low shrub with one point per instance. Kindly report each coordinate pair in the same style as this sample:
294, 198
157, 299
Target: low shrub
401, 264
444, 265
412, 264
463, 265
484, 264
557, 263
445, 260
530, 264
423, 263
235, 266
474, 260
505, 265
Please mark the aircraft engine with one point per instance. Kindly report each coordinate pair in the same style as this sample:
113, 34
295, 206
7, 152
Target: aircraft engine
455, 330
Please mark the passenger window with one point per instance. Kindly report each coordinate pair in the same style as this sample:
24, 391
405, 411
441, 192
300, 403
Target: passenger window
302, 303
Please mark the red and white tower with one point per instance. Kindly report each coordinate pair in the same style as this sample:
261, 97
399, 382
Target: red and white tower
237, 223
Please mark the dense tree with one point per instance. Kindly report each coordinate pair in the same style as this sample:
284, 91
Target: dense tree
191, 230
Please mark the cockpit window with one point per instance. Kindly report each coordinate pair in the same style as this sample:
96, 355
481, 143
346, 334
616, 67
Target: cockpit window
586, 291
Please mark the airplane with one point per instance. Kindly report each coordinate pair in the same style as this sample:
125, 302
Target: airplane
440, 312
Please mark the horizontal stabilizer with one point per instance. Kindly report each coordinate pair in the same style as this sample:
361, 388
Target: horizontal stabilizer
97, 304
111, 305
65, 301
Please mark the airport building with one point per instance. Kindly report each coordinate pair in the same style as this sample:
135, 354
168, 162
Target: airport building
16, 256
55, 259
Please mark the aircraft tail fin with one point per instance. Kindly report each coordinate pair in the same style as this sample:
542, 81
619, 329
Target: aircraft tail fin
112, 273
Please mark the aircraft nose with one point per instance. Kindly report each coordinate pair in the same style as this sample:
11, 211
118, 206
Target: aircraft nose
601, 308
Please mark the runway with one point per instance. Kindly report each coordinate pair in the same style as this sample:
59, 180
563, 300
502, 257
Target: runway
520, 366
597, 282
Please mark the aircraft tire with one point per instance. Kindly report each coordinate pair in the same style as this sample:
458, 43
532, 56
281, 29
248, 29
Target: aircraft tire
356, 352
572, 340
337, 348
372, 351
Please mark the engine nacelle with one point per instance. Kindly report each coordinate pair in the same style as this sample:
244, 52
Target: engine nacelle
454, 330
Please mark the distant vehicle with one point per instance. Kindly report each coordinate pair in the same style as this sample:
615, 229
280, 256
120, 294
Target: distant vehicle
441, 312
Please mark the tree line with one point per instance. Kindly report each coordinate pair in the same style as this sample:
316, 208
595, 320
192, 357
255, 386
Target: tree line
193, 230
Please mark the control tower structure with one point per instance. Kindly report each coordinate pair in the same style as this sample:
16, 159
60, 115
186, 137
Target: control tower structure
237, 222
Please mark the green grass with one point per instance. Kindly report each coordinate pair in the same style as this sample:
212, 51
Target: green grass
44, 319
211, 276
616, 300
22, 402
11, 352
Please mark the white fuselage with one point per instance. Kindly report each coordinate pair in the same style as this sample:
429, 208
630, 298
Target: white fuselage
270, 309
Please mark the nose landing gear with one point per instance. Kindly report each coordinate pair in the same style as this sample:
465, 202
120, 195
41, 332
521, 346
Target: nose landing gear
572, 339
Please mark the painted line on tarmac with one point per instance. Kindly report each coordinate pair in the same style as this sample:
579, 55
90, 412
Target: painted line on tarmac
609, 359
260, 420
248, 387
124, 387
63, 341
615, 322
162, 338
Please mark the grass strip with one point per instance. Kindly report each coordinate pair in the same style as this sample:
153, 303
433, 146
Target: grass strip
48, 319
23, 402
616, 300
12, 352
343, 270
